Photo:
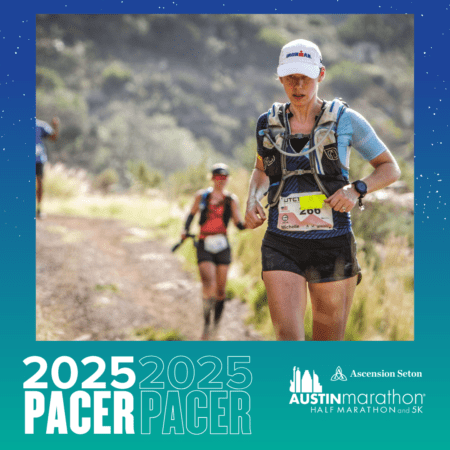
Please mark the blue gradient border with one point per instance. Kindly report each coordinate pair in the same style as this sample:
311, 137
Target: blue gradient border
274, 421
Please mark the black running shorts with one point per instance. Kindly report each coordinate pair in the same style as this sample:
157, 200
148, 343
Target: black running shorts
39, 169
317, 260
223, 257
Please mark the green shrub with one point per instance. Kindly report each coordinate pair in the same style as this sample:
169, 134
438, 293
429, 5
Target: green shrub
105, 180
258, 300
238, 288
143, 176
48, 79
349, 78
245, 154
380, 220
115, 76
58, 184
273, 37
189, 180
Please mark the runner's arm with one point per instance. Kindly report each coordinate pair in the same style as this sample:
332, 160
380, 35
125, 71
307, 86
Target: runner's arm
194, 210
55, 125
385, 173
236, 214
259, 184
371, 148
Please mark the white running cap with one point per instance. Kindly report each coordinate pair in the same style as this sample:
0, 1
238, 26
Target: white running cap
300, 56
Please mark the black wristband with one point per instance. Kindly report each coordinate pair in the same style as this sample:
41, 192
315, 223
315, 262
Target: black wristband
189, 220
240, 226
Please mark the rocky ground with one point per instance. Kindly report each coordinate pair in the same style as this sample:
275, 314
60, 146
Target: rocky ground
98, 279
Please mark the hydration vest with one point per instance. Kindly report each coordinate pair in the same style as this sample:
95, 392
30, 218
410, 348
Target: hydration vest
325, 165
204, 207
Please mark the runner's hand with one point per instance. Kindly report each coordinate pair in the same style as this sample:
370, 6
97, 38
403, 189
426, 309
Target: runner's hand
344, 199
254, 215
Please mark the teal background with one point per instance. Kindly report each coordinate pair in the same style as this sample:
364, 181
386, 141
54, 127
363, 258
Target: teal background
274, 421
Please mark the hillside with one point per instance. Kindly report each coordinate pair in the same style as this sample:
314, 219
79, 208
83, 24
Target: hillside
174, 90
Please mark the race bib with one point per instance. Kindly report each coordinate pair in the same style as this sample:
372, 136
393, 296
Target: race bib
216, 243
304, 212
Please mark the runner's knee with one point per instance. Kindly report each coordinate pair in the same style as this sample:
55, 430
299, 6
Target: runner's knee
221, 291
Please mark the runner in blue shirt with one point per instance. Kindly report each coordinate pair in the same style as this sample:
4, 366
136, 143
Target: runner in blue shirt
43, 131
302, 162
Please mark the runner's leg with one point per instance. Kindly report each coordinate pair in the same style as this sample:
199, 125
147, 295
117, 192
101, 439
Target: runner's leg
286, 295
221, 277
39, 192
331, 304
208, 276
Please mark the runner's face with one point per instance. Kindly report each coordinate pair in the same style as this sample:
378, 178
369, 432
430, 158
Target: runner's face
220, 181
301, 89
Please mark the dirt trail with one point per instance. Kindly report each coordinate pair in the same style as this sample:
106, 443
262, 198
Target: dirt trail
98, 279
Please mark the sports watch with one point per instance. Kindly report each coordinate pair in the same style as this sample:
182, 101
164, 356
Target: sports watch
361, 189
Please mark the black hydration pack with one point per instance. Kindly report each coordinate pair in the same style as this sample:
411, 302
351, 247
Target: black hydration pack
325, 165
204, 207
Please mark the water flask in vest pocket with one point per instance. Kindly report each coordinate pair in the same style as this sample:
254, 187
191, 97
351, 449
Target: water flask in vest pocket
271, 193
272, 162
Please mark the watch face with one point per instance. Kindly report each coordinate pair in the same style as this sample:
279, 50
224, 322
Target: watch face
361, 187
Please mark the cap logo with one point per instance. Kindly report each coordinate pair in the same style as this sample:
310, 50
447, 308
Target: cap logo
300, 53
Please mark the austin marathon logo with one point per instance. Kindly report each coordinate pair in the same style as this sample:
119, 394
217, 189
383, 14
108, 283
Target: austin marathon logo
305, 383
306, 389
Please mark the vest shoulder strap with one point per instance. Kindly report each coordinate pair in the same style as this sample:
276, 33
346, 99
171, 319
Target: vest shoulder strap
275, 115
205, 198
204, 206
333, 111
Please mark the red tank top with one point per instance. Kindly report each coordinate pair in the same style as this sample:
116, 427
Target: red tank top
214, 221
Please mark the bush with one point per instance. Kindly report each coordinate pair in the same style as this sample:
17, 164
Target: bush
48, 79
115, 76
245, 154
349, 79
105, 180
58, 184
273, 37
143, 176
381, 219
190, 180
